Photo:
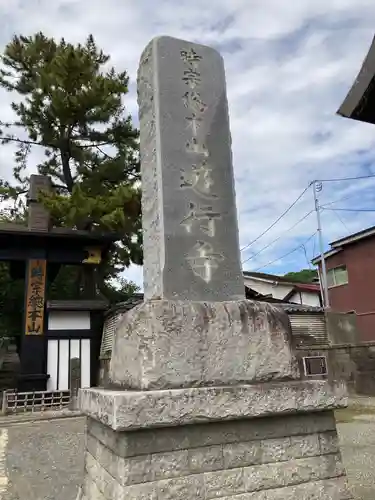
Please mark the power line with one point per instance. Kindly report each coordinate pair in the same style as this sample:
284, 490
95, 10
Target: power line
289, 253
278, 238
346, 178
300, 196
351, 209
307, 259
336, 201
340, 219
277, 220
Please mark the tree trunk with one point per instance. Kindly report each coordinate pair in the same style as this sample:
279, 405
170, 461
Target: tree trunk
65, 157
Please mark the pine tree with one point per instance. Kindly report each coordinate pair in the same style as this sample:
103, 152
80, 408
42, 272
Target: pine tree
69, 105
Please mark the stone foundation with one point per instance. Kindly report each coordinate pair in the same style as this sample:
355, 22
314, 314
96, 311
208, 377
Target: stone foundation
274, 441
204, 401
273, 458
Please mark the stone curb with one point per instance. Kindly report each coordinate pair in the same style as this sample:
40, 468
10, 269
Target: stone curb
362, 402
38, 417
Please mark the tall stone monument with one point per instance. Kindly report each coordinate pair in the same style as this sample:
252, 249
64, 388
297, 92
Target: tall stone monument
205, 398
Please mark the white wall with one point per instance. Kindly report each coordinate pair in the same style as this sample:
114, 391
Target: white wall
276, 289
280, 290
308, 298
69, 320
59, 353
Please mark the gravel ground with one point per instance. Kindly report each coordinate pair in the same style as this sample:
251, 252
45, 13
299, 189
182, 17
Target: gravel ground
44, 459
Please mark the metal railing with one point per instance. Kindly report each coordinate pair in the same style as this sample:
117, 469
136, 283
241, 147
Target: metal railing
17, 402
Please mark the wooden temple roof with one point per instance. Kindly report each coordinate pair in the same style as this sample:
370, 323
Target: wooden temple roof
359, 104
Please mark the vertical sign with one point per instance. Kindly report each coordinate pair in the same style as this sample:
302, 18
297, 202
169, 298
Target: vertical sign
35, 297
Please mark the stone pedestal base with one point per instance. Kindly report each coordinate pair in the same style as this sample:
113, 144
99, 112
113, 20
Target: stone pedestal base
275, 458
165, 344
207, 444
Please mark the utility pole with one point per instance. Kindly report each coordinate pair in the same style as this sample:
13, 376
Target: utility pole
323, 275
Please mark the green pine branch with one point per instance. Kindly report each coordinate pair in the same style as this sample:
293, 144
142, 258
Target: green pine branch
68, 103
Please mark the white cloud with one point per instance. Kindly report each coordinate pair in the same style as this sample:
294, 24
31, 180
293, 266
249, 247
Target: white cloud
289, 66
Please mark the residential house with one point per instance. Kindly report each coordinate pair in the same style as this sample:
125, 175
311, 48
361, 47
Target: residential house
283, 289
350, 264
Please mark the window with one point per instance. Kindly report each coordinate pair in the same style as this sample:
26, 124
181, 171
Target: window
337, 276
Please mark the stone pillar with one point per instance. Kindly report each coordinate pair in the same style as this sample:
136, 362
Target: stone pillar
205, 398
75, 381
38, 216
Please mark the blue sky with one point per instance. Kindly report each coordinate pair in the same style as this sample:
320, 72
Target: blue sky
289, 65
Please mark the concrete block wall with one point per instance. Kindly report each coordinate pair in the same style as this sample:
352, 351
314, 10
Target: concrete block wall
274, 458
352, 363
363, 358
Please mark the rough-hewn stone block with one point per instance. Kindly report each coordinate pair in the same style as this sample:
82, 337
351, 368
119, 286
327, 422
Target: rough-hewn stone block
276, 450
105, 457
128, 444
242, 454
335, 489
281, 474
129, 410
170, 464
171, 344
145, 491
206, 459
90, 490
331, 489
105, 483
304, 446
281, 449
329, 442
186, 488
223, 483
143, 468
256, 495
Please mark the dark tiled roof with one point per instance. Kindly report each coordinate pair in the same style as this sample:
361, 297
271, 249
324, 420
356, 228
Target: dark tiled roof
125, 306
307, 287
58, 232
358, 104
78, 305
291, 308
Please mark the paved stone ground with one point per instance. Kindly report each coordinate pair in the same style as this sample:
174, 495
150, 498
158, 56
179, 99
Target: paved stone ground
44, 459
358, 449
